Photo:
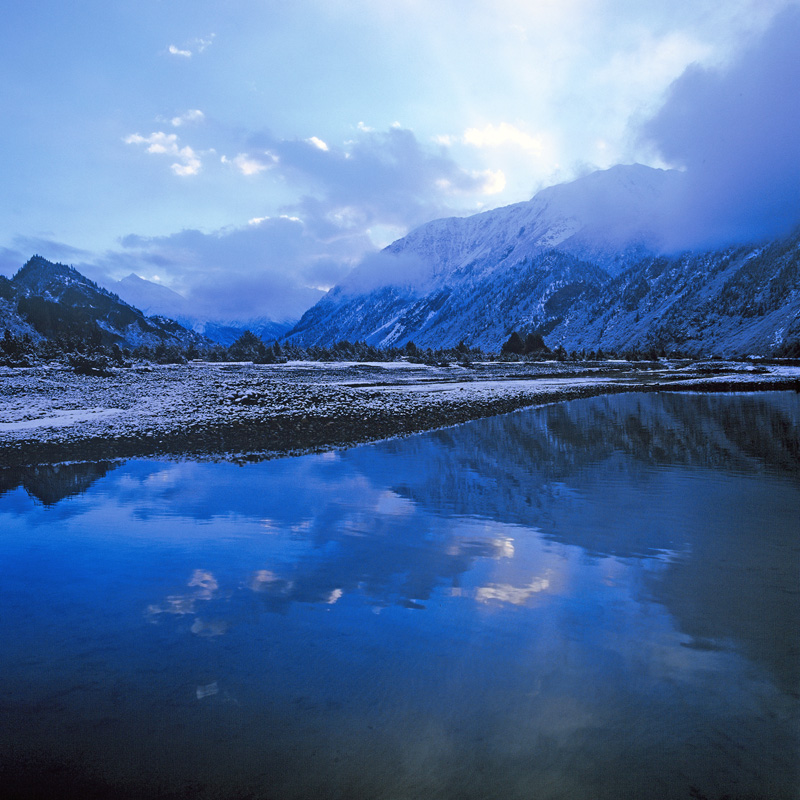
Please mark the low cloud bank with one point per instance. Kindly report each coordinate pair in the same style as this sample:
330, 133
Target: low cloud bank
735, 132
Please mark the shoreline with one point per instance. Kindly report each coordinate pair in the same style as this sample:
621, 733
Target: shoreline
244, 412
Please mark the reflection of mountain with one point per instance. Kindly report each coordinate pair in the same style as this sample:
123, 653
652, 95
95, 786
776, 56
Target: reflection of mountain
517, 468
54, 482
707, 484
712, 482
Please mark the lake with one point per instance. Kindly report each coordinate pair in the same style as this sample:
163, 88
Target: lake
594, 599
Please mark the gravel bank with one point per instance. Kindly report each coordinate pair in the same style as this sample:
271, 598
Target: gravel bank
244, 411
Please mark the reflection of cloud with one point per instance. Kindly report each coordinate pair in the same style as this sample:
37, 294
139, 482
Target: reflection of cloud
174, 604
516, 595
181, 604
206, 582
214, 627
334, 596
265, 580
209, 690
394, 505
498, 547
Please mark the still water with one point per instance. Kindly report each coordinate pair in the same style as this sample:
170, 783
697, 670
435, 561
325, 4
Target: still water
596, 599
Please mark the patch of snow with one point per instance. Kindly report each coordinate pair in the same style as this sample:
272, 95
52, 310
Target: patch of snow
61, 418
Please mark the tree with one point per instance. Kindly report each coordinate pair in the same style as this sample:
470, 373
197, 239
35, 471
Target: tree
248, 347
534, 344
514, 345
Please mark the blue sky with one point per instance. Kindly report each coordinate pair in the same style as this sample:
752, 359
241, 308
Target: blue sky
250, 149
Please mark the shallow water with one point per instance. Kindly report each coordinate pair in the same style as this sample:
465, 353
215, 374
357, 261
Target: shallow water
595, 599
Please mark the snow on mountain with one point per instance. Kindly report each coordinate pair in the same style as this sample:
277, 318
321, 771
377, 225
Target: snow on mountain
151, 298
601, 217
156, 299
578, 263
60, 303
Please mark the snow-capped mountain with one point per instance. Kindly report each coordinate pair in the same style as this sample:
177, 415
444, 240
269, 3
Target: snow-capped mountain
151, 298
56, 301
156, 299
578, 263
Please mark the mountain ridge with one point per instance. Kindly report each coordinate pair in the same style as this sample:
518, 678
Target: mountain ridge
55, 301
580, 263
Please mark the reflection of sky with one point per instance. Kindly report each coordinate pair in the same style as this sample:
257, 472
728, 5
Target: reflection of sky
598, 624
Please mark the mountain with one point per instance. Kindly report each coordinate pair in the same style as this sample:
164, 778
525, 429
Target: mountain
153, 298
227, 333
57, 302
579, 263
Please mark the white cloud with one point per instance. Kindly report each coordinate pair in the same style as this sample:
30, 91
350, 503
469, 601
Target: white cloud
177, 52
160, 143
318, 143
204, 44
494, 181
502, 135
192, 115
198, 45
250, 164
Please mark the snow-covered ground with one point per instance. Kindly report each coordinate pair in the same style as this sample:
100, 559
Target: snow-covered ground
49, 413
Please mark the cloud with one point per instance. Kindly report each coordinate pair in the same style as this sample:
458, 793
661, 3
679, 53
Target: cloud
198, 45
735, 133
251, 165
190, 116
271, 267
502, 135
160, 143
23, 247
345, 202
318, 143
349, 200
494, 181
381, 178
381, 269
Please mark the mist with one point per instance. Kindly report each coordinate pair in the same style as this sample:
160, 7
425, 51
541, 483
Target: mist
734, 130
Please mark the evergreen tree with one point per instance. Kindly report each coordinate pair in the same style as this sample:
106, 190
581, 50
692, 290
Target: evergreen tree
534, 344
514, 345
248, 347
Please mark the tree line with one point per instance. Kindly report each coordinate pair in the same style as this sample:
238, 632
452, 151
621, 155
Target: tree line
93, 357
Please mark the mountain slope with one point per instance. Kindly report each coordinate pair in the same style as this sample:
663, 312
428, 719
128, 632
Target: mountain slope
60, 303
577, 263
738, 301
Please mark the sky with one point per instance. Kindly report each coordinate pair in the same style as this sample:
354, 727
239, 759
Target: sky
248, 154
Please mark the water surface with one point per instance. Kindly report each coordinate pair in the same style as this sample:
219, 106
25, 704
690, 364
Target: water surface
597, 599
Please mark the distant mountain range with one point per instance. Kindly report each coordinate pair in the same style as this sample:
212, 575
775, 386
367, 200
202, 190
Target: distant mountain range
581, 264
53, 301
45, 300
153, 298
